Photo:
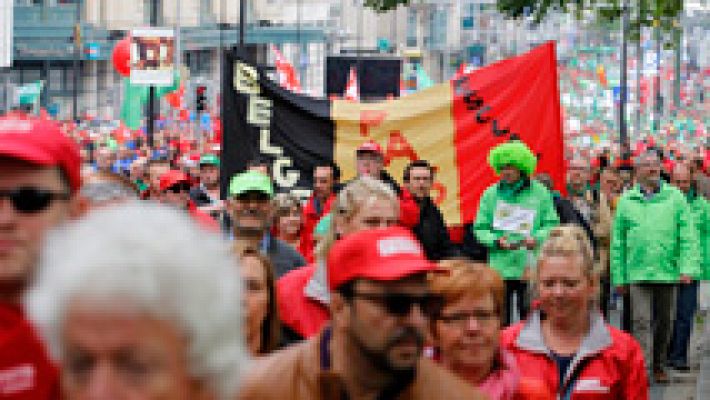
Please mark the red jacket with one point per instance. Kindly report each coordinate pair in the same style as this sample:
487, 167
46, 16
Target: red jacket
608, 365
408, 210
310, 220
300, 313
26, 372
202, 218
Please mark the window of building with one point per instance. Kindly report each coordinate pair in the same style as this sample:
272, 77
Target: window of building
54, 80
411, 28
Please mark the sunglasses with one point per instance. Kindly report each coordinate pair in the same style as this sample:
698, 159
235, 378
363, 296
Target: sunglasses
28, 200
400, 304
180, 187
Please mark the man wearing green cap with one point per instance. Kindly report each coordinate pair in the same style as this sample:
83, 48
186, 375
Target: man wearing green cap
206, 194
514, 218
251, 210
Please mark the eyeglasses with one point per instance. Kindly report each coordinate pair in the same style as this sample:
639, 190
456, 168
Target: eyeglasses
179, 187
400, 304
460, 319
28, 200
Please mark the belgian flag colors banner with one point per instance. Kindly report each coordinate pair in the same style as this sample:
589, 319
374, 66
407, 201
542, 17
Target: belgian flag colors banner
452, 125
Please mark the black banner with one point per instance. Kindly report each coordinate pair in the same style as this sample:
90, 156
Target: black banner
261, 119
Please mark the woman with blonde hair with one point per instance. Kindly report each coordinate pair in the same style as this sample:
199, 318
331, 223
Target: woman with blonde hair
565, 341
288, 223
466, 333
303, 295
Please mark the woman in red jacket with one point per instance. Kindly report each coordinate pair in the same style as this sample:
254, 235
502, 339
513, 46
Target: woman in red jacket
565, 341
303, 294
466, 334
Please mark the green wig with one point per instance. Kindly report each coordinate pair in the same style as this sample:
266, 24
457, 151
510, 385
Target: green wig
514, 153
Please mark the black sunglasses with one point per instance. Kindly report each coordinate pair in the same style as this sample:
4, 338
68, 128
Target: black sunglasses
400, 304
30, 200
179, 187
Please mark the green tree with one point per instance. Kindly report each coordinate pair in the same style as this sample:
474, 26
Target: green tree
385, 5
648, 13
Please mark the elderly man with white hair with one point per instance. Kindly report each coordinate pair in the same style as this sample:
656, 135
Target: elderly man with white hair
135, 301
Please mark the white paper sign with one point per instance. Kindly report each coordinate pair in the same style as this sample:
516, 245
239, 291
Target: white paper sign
152, 56
513, 218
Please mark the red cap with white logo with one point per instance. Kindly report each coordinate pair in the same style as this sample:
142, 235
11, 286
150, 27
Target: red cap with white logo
387, 254
40, 142
370, 147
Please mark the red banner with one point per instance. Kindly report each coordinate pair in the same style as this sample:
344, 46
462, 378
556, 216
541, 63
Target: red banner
517, 96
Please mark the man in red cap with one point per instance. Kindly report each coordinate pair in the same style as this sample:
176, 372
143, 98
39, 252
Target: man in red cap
175, 190
370, 161
380, 309
39, 181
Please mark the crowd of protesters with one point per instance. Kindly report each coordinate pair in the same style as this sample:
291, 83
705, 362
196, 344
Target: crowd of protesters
126, 274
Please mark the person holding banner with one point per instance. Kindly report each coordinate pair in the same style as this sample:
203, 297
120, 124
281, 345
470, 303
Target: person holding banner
514, 218
370, 161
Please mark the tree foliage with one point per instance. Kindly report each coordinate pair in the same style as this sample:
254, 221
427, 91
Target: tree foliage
385, 5
642, 13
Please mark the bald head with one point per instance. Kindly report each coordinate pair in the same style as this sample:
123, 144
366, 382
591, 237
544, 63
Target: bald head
682, 177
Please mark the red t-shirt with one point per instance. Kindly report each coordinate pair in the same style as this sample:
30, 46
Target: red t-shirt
26, 371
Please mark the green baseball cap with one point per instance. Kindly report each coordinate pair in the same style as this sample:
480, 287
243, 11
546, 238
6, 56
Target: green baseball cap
209, 159
250, 181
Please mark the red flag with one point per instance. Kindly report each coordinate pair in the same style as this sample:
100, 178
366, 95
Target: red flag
513, 97
352, 90
286, 73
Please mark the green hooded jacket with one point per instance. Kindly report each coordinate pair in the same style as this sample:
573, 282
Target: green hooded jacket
653, 240
531, 200
700, 209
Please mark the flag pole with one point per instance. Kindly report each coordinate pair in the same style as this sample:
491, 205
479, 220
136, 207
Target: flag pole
623, 134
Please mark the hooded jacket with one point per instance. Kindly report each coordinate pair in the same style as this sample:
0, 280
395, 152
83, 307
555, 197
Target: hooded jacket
653, 239
298, 373
311, 216
700, 208
303, 311
531, 197
609, 364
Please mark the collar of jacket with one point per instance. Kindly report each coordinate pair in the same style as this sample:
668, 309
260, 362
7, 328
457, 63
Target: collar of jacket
664, 190
691, 195
317, 286
598, 338
508, 190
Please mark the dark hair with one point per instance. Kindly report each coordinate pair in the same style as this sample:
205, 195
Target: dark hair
347, 289
259, 161
271, 328
329, 164
417, 164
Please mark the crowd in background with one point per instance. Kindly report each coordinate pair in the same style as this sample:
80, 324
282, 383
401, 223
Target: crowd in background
124, 271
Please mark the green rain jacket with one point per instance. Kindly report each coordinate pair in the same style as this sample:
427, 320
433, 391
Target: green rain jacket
653, 240
527, 211
700, 209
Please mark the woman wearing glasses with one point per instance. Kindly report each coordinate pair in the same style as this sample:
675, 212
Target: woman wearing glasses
565, 342
303, 295
466, 332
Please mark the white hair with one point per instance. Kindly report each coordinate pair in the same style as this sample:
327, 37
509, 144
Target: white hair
155, 258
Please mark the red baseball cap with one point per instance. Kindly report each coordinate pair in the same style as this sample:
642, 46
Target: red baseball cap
387, 254
370, 146
40, 142
171, 178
